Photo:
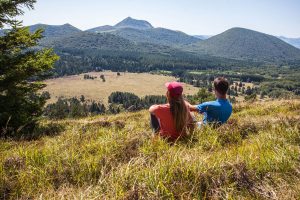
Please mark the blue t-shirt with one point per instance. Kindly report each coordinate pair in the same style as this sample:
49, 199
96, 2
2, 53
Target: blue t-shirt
216, 111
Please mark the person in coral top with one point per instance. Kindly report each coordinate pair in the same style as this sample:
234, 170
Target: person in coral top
174, 119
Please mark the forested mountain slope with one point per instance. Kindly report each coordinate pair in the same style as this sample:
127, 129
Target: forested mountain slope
244, 44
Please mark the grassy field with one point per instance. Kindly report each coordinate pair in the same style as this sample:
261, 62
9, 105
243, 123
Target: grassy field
141, 84
254, 156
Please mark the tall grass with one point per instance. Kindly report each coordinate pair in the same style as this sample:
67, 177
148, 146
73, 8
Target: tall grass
254, 156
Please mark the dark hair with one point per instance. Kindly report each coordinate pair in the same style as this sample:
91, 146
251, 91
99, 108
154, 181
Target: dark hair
221, 85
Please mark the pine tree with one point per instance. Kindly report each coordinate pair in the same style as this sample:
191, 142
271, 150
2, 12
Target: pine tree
20, 101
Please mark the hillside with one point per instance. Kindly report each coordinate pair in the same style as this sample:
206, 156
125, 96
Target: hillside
244, 44
91, 41
255, 156
157, 36
85, 51
95, 43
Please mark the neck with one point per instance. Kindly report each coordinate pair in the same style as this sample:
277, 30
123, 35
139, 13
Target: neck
221, 97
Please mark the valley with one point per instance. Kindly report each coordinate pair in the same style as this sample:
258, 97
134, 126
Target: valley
141, 84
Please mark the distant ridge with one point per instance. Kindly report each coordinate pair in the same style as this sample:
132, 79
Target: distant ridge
105, 28
203, 37
238, 44
55, 30
142, 31
292, 41
245, 44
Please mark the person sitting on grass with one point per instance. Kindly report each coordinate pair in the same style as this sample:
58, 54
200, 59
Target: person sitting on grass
172, 120
219, 111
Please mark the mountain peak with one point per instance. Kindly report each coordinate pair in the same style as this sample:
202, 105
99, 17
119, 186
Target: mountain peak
67, 24
133, 23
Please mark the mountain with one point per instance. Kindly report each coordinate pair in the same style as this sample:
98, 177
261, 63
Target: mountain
202, 37
157, 36
52, 31
86, 40
244, 44
134, 23
139, 36
142, 31
105, 42
85, 51
292, 41
55, 30
101, 29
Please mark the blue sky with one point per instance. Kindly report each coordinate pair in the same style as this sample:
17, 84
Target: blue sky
203, 17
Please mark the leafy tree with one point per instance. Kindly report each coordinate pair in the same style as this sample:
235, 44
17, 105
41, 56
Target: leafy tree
58, 110
249, 91
243, 90
76, 109
251, 97
102, 77
82, 98
73, 108
125, 98
240, 84
20, 63
263, 94
232, 99
210, 88
114, 108
202, 96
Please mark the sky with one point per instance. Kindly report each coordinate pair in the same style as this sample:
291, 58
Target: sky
194, 17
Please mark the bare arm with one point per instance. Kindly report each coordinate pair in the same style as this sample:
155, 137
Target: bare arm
152, 109
192, 108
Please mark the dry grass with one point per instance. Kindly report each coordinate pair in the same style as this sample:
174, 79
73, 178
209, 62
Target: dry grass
141, 84
254, 156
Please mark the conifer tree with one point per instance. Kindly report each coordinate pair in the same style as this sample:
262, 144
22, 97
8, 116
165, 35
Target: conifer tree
20, 64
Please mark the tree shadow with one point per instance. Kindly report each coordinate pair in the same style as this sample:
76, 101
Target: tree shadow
38, 131
50, 129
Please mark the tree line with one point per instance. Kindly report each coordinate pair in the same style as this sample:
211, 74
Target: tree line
118, 102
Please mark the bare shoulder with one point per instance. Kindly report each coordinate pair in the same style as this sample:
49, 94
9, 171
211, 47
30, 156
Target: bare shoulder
153, 108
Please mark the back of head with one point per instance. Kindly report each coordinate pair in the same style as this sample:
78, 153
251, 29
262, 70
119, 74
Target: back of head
221, 85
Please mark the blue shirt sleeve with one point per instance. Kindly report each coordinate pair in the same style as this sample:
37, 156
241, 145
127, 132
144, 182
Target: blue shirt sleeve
203, 107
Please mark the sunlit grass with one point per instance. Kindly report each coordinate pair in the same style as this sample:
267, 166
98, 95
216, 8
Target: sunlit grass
254, 156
